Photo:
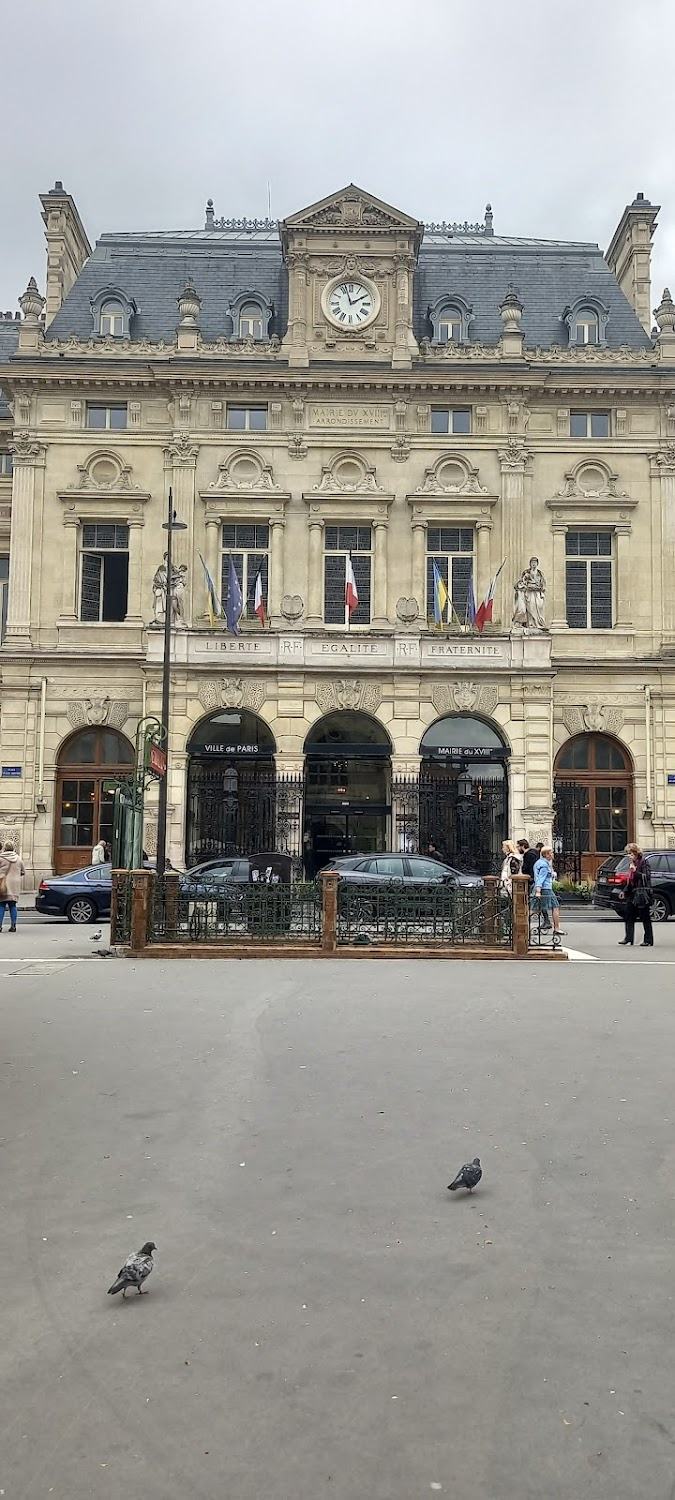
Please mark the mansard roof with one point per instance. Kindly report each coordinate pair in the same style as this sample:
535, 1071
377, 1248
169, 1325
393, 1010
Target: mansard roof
9, 336
230, 257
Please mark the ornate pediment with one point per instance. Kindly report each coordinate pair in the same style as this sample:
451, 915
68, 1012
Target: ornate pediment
244, 471
451, 476
591, 479
348, 474
351, 209
105, 473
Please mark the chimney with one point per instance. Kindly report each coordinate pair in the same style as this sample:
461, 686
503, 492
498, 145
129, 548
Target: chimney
629, 255
67, 246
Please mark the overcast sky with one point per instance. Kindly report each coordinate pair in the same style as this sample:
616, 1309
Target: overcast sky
557, 113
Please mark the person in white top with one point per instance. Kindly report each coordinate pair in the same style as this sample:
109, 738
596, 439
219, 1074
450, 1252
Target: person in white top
512, 865
98, 853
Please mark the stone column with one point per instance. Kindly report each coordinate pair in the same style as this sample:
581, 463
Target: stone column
180, 463
379, 585
663, 512
135, 597
315, 575
483, 529
419, 563
69, 599
559, 620
513, 461
212, 557
275, 585
29, 458
623, 600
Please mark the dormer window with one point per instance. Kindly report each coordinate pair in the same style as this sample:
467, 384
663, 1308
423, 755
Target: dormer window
251, 315
586, 322
112, 311
112, 320
450, 318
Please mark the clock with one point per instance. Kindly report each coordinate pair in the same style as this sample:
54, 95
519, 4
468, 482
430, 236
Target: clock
350, 303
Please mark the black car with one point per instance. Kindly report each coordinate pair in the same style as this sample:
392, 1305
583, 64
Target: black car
82, 896
399, 869
612, 877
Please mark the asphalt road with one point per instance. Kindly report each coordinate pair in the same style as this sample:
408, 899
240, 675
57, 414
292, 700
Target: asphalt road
325, 1320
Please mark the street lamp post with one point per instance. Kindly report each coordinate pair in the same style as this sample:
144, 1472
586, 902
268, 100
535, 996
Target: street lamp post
170, 525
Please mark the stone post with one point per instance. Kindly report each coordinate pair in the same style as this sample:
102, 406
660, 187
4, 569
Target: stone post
521, 916
419, 563
329, 899
29, 458
171, 894
141, 896
379, 594
275, 586
315, 588
31, 330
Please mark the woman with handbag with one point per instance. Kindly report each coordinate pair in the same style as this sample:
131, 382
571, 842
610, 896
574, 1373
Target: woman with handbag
11, 872
638, 898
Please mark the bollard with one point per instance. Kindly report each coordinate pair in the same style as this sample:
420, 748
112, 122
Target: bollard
329, 888
171, 892
490, 922
521, 915
141, 895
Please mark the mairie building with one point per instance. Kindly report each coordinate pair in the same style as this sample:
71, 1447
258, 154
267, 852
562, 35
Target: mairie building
430, 410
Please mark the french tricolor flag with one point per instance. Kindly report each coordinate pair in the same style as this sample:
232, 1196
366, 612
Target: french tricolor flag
351, 591
483, 614
259, 599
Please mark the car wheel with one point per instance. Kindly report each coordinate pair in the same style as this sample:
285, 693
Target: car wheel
660, 909
80, 910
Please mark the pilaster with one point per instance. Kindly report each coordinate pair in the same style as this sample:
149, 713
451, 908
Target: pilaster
275, 586
315, 578
379, 617
29, 463
180, 463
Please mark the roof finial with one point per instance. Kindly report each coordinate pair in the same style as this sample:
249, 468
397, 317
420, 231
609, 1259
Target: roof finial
189, 305
209, 214
665, 313
32, 302
488, 220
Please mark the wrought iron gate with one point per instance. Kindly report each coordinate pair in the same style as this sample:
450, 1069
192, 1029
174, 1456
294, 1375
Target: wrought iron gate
241, 809
570, 827
467, 827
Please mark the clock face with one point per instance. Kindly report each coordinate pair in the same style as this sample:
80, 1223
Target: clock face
350, 304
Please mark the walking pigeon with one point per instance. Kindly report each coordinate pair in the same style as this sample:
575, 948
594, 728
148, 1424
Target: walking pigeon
468, 1176
136, 1269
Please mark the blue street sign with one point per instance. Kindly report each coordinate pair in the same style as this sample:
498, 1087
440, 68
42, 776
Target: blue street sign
12, 770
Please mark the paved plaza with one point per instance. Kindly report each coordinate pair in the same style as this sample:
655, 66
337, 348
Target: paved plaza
325, 1320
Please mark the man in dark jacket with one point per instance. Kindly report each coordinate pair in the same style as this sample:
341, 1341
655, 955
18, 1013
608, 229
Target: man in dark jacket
529, 857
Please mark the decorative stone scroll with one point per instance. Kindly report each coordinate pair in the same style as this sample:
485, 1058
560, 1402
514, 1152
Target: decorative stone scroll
349, 692
232, 692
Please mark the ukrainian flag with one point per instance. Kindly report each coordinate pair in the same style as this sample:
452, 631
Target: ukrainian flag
440, 596
214, 605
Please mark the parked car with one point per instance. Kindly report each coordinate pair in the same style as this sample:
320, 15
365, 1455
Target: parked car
399, 869
611, 879
82, 896
239, 870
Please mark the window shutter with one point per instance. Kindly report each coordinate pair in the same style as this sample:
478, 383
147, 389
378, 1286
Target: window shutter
361, 566
577, 613
462, 569
90, 607
601, 595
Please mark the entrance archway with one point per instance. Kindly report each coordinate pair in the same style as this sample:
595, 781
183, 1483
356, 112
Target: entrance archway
231, 791
464, 792
593, 801
347, 788
84, 811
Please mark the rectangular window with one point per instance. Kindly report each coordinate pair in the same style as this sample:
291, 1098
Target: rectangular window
247, 418
6, 465
248, 546
589, 580
457, 421
589, 424
451, 549
104, 571
339, 543
112, 417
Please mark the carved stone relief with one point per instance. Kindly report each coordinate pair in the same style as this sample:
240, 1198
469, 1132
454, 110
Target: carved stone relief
349, 692
98, 710
232, 692
593, 717
465, 697
407, 611
292, 607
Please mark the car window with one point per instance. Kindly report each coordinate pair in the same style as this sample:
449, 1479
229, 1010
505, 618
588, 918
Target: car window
658, 863
389, 864
426, 869
670, 864
94, 875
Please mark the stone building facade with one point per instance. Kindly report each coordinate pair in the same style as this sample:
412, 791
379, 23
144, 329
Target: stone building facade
347, 387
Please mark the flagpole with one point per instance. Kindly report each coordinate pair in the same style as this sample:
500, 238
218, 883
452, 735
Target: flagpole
170, 525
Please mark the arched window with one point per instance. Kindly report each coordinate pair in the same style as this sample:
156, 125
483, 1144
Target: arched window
251, 321
112, 320
88, 762
586, 327
231, 801
450, 326
463, 792
586, 321
593, 798
450, 318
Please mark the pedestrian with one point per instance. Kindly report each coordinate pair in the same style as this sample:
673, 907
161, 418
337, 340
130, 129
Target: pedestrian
637, 898
11, 871
529, 858
544, 898
433, 852
98, 853
510, 866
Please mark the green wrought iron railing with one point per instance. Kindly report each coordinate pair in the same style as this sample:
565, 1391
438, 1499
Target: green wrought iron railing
434, 914
233, 913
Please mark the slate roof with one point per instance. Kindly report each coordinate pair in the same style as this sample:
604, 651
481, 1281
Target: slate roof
153, 268
9, 335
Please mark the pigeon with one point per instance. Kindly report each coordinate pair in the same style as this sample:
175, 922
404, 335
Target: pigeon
468, 1176
136, 1269
96, 937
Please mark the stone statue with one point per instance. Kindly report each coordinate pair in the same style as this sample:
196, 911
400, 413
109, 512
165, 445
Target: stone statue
159, 590
528, 597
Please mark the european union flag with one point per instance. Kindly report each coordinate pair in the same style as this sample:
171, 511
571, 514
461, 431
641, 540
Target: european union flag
234, 603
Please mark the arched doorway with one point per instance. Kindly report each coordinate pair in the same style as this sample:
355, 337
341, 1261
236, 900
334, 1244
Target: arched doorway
231, 789
347, 788
464, 792
593, 802
84, 810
